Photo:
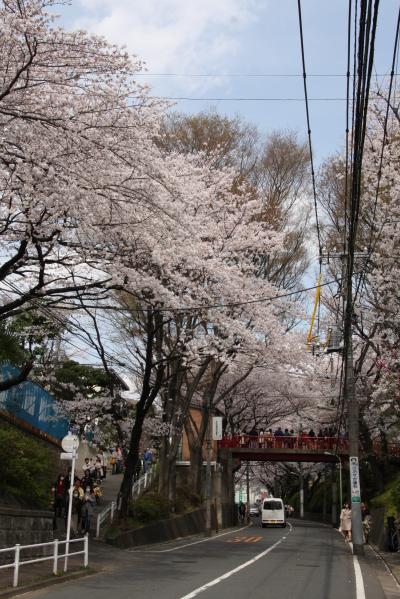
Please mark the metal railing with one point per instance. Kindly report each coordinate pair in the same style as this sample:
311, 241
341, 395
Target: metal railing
103, 515
138, 487
55, 556
267, 441
143, 482
317, 444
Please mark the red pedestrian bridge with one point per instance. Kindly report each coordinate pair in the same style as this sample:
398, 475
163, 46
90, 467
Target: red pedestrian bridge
300, 448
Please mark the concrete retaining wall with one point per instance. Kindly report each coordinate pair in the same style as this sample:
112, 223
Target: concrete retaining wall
164, 530
24, 527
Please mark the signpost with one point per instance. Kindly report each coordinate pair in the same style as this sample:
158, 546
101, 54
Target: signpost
355, 480
70, 444
67, 456
217, 428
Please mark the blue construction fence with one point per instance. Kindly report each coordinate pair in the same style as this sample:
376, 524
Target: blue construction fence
30, 403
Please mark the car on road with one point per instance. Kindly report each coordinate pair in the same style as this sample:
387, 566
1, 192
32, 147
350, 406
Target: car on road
254, 510
273, 512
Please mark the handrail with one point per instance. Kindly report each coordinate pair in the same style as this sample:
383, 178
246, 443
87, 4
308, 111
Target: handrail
143, 482
302, 442
54, 557
267, 441
101, 516
138, 487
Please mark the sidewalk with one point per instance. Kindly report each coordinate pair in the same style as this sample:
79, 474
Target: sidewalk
392, 560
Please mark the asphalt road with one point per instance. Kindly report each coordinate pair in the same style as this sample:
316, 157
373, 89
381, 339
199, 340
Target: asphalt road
303, 561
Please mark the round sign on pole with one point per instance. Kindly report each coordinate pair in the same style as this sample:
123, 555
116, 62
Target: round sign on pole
70, 443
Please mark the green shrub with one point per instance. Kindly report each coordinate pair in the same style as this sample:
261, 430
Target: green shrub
186, 500
150, 507
27, 469
389, 499
395, 494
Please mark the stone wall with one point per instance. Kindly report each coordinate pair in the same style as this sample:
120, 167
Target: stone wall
25, 527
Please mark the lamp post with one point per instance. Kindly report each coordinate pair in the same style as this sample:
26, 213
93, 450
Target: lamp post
340, 476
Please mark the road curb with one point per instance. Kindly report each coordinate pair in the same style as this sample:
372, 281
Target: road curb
375, 549
46, 582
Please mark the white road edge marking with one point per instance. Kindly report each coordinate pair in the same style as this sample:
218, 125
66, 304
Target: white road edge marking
190, 544
234, 571
360, 591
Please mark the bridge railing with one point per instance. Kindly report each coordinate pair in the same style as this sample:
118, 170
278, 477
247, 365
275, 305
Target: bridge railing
390, 449
283, 442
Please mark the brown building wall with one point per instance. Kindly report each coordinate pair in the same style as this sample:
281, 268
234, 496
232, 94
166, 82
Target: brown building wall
195, 414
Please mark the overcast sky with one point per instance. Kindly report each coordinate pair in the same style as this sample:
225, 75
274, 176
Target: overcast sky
241, 37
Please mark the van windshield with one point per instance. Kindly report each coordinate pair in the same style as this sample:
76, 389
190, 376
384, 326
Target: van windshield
272, 505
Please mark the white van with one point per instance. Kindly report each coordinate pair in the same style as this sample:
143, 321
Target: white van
273, 512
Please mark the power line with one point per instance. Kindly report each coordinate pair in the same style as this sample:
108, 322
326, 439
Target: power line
67, 325
231, 304
247, 75
309, 131
247, 99
362, 278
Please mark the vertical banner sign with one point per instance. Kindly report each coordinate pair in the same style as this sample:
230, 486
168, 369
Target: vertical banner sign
355, 480
217, 428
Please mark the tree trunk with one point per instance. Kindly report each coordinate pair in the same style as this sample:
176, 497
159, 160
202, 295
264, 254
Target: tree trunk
130, 466
196, 466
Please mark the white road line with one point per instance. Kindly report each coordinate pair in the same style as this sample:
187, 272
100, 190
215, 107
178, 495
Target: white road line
231, 572
360, 591
230, 532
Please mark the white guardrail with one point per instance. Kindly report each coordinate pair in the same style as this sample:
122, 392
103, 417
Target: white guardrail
17, 563
143, 482
138, 487
102, 516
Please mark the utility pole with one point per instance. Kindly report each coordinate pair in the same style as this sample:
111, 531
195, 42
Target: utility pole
334, 495
353, 432
349, 396
208, 531
301, 492
248, 492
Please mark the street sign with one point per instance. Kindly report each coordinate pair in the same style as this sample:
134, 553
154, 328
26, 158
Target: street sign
355, 480
67, 456
217, 428
70, 443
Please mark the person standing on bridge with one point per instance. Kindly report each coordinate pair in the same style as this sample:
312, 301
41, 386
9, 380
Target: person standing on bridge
345, 521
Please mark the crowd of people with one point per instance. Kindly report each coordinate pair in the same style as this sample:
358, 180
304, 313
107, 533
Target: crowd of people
289, 439
87, 491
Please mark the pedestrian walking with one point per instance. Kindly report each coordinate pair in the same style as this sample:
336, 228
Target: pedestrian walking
148, 460
120, 460
88, 467
59, 496
242, 512
345, 521
366, 521
87, 510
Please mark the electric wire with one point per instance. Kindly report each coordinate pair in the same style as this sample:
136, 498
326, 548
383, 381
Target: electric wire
362, 279
309, 130
200, 307
245, 99
245, 75
72, 328
365, 57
